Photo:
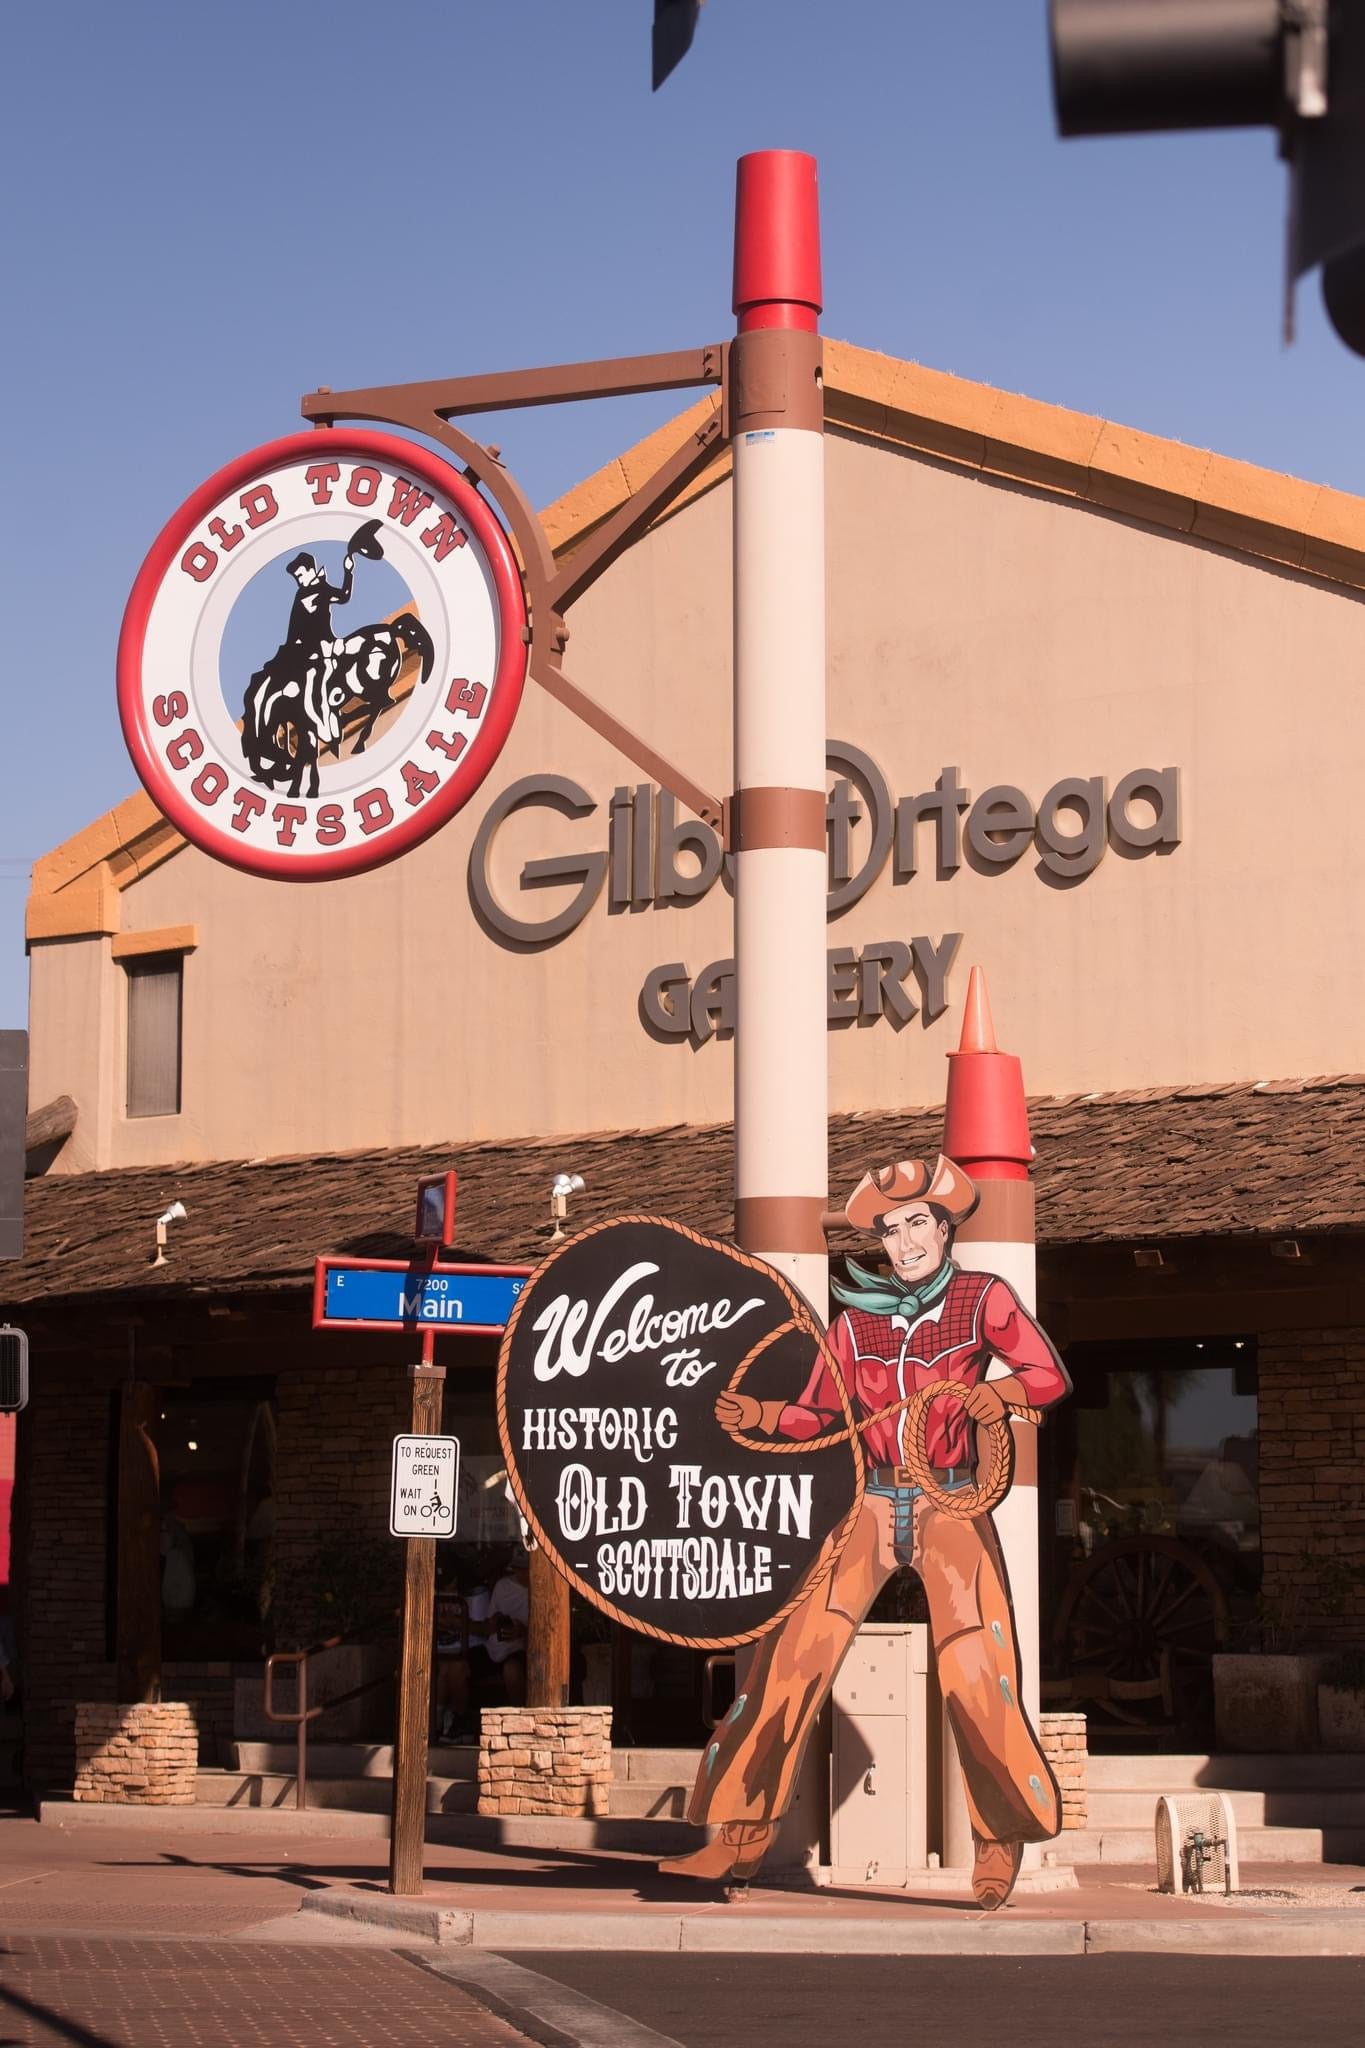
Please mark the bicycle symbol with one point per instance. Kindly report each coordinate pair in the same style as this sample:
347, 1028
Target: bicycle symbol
435, 1510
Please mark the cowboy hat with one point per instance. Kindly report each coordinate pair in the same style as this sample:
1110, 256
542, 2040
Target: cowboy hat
365, 541
944, 1185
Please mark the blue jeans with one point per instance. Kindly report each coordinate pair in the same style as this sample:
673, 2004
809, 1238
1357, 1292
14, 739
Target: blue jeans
903, 1498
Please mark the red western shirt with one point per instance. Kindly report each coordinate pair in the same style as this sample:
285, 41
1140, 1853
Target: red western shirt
977, 1318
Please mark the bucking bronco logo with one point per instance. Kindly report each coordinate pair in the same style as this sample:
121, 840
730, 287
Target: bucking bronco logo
318, 690
279, 729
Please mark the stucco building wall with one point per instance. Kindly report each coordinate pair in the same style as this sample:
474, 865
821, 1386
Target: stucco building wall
974, 623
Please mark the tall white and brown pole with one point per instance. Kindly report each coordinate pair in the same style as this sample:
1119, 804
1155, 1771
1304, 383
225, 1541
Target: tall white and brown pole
986, 1131
775, 391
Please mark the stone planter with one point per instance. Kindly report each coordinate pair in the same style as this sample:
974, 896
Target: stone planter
1063, 1739
1267, 1701
136, 1756
1341, 1717
546, 1760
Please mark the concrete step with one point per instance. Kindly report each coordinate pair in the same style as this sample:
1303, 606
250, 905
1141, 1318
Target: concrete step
656, 1767
350, 1759
636, 1799
1311, 1809
1254, 1845
353, 1795
1288, 1773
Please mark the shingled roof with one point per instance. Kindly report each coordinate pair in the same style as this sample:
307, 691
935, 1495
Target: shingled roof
1269, 1159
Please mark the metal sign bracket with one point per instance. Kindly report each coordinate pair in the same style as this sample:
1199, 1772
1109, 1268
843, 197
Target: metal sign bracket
551, 587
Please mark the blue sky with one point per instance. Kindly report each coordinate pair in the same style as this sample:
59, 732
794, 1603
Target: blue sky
210, 211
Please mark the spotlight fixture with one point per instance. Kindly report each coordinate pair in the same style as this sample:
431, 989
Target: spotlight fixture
175, 1214
561, 1188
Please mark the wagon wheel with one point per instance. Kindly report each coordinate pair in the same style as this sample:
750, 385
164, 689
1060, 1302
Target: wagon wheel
1136, 1599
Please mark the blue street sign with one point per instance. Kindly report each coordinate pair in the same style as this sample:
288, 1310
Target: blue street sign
408, 1299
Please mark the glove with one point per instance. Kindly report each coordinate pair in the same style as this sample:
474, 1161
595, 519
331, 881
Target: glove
740, 1413
982, 1403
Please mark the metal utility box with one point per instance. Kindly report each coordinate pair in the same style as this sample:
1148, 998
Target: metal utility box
879, 1765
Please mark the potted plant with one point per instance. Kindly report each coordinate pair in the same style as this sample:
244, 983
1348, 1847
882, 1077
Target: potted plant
1341, 1701
1267, 1698
1265, 1694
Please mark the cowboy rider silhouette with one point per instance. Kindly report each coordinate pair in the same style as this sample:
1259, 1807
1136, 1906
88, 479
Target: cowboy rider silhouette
309, 647
310, 616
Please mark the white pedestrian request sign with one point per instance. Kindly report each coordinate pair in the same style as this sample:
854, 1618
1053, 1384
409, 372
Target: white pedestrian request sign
426, 1474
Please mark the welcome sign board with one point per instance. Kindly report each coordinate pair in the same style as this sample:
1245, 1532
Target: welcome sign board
608, 1379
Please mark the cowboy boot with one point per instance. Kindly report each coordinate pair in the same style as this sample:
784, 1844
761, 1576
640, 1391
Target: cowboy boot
733, 1852
994, 1871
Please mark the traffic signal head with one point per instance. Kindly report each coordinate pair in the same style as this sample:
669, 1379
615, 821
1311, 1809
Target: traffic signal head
1327, 166
1138, 66
13, 1370
1125, 67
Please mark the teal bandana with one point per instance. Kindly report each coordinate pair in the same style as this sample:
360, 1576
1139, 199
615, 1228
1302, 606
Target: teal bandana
879, 1294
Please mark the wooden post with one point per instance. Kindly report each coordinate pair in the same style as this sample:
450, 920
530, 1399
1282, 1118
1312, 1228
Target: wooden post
407, 1834
139, 1548
547, 1636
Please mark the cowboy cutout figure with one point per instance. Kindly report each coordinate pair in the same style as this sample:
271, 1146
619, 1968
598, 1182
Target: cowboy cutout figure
926, 1322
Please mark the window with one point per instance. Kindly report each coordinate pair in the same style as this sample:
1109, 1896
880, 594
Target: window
215, 1442
154, 1004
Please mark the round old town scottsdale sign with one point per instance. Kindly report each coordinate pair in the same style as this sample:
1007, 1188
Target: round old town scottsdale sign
322, 655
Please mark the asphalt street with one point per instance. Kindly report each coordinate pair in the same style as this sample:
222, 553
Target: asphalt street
977, 2002
128, 1993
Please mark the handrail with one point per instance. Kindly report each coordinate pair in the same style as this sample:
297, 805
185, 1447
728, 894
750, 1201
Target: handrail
303, 1713
375, 1625
300, 1719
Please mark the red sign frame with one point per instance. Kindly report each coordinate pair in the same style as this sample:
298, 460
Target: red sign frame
505, 689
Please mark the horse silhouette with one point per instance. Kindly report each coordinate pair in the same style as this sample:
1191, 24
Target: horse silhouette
306, 703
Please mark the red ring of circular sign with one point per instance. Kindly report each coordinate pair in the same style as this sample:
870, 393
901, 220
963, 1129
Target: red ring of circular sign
505, 693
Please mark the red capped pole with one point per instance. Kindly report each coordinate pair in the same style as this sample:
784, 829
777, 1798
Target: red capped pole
985, 1123
776, 835
985, 1130
777, 241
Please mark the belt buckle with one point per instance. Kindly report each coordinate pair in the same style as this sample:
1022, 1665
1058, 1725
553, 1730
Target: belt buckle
903, 1475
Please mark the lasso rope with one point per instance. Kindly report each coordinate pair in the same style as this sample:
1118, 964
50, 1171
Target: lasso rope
964, 1502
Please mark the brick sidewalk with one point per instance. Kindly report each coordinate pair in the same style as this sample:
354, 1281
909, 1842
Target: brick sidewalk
201, 1994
